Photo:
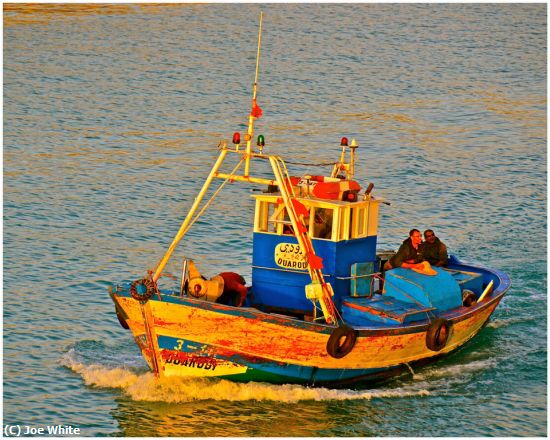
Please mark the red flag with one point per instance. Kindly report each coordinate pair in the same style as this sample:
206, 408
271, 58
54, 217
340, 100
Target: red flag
315, 261
256, 110
300, 208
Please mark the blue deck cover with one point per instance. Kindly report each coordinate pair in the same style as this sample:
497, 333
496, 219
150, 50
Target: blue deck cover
381, 310
468, 280
440, 291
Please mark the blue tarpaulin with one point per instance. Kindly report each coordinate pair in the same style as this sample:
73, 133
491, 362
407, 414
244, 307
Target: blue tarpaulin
440, 291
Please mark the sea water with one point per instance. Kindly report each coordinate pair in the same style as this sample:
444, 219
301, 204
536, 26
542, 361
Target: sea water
112, 118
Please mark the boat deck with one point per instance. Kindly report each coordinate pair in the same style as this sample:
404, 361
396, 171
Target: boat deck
360, 311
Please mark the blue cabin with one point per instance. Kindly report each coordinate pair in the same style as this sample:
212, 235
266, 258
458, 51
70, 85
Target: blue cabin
343, 234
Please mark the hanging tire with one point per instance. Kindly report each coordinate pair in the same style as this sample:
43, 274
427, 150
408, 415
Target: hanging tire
438, 334
341, 341
150, 289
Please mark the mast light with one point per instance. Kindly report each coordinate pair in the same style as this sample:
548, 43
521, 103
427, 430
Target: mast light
236, 138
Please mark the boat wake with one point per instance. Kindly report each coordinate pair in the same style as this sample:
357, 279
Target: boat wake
455, 372
132, 378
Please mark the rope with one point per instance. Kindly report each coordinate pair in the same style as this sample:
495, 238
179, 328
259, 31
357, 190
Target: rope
214, 195
211, 199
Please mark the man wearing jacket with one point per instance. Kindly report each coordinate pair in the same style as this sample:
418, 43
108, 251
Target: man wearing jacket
433, 249
409, 254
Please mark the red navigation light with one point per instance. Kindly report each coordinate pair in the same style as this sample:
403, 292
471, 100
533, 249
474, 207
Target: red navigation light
236, 138
344, 142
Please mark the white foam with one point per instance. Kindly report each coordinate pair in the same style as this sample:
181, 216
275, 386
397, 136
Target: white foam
145, 387
458, 370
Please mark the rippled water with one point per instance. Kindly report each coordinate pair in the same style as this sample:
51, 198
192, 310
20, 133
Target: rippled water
112, 115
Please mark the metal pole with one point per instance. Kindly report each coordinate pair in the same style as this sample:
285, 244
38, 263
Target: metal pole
250, 130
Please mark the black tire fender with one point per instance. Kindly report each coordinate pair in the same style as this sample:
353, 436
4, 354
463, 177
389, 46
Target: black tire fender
341, 341
438, 334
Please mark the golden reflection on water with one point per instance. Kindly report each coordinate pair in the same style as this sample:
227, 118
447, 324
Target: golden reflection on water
427, 134
223, 419
517, 110
33, 13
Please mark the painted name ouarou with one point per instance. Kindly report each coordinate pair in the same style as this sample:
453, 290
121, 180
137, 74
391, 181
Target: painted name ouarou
290, 256
292, 264
192, 361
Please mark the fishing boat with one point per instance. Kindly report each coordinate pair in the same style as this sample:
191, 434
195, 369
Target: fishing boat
320, 308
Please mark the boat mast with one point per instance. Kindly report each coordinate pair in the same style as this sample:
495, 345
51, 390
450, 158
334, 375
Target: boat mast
252, 116
322, 291
214, 173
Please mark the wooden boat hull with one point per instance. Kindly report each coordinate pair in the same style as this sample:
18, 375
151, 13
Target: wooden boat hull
181, 336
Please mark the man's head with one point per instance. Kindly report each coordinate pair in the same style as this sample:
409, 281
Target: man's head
416, 237
429, 236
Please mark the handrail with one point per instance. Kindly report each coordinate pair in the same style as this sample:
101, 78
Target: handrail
300, 231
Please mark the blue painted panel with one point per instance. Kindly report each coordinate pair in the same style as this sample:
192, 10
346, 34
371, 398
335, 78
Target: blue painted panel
360, 284
263, 251
359, 318
171, 343
282, 287
360, 250
440, 291
469, 280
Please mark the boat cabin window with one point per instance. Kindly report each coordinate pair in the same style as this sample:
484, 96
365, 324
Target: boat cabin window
364, 220
359, 222
268, 216
320, 222
328, 223
274, 218
344, 228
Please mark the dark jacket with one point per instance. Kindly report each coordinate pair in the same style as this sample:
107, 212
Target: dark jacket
406, 252
434, 252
